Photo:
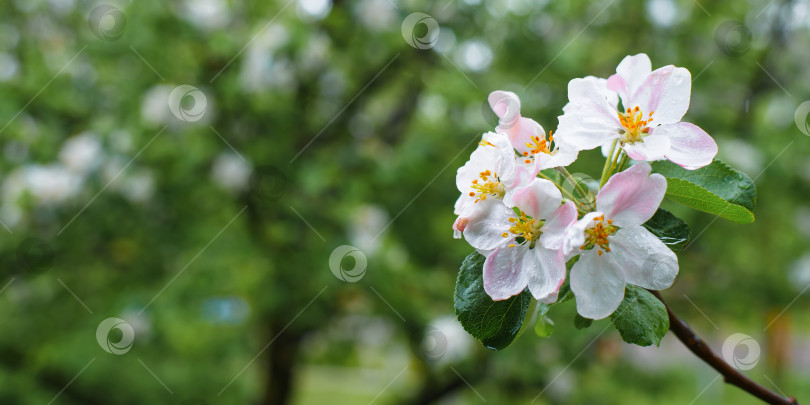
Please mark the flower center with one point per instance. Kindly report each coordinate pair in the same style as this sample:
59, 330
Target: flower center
487, 184
525, 228
538, 145
597, 235
634, 125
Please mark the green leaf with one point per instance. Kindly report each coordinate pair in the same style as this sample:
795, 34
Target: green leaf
716, 189
580, 322
543, 327
669, 229
494, 323
641, 318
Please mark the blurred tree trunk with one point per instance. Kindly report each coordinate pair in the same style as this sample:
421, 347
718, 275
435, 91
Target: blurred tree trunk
280, 376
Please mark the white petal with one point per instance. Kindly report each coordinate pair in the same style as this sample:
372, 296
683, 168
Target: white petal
652, 147
691, 147
591, 92
647, 261
631, 197
545, 270
575, 234
486, 226
580, 92
538, 199
584, 126
503, 272
561, 157
598, 284
667, 92
630, 74
555, 229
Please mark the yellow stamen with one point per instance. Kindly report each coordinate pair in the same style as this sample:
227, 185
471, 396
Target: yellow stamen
490, 186
634, 126
597, 235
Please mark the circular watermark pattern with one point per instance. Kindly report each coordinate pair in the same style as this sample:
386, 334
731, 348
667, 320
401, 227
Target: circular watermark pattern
658, 269
107, 22
35, 255
412, 31
579, 186
123, 344
348, 255
434, 345
733, 38
187, 103
741, 351
268, 184
802, 117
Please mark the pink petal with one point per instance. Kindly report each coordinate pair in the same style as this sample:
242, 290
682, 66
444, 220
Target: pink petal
505, 104
520, 132
630, 74
691, 147
647, 262
503, 275
652, 147
545, 270
598, 284
458, 227
631, 197
666, 92
538, 199
554, 230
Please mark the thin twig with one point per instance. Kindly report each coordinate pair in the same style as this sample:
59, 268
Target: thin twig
731, 375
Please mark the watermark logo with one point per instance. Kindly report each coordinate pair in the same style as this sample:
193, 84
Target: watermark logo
35, 255
802, 117
741, 351
434, 345
188, 103
348, 263
122, 345
579, 186
659, 268
268, 184
733, 38
413, 38
107, 22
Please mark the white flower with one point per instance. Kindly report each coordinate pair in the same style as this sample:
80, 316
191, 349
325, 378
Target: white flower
523, 245
491, 173
649, 126
614, 248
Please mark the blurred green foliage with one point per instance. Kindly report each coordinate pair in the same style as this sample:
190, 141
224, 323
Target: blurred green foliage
323, 128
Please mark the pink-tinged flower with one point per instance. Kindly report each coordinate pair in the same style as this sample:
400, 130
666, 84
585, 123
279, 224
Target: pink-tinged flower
523, 245
526, 135
614, 248
649, 126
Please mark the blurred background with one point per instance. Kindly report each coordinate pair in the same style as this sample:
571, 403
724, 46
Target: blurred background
178, 180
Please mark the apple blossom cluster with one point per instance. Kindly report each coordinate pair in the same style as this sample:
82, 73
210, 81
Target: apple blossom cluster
528, 226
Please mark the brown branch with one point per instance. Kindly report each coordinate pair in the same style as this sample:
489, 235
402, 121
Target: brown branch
731, 375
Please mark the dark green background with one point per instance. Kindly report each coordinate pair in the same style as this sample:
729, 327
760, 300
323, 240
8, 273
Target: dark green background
377, 129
